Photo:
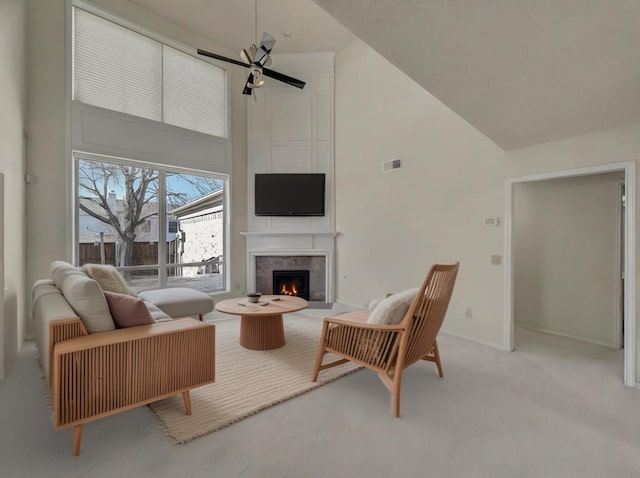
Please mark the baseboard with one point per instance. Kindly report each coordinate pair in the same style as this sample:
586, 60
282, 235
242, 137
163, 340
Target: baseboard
569, 336
493, 345
350, 305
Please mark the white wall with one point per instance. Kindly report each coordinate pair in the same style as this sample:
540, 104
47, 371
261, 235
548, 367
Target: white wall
393, 226
291, 131
12, 165
49, 221
566, 263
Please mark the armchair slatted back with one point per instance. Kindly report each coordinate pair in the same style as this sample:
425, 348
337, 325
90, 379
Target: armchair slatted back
426, 314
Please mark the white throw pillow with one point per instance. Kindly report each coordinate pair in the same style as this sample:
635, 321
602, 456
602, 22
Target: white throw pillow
373, 304
393, 309
108, 277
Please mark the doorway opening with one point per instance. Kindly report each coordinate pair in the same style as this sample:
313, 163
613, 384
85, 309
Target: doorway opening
627, 256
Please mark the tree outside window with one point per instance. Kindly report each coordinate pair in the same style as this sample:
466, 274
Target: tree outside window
118, 211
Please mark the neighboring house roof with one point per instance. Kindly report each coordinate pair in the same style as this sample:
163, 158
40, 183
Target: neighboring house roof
206, 203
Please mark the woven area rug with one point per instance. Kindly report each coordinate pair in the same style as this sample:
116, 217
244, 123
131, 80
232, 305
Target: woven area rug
248, 381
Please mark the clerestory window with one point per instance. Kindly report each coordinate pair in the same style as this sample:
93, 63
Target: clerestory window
122, 70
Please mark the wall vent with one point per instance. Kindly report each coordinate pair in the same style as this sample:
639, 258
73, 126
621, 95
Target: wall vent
391, 165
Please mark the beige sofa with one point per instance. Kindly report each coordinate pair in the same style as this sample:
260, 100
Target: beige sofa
94, 375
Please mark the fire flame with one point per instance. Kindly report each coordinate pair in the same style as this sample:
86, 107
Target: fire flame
284, 290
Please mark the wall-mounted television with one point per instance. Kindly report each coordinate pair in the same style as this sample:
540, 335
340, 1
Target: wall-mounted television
289, 194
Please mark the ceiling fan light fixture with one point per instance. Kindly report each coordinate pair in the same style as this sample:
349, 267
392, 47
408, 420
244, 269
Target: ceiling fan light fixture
256, 76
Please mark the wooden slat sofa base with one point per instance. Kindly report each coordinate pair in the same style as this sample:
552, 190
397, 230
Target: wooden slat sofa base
94, 376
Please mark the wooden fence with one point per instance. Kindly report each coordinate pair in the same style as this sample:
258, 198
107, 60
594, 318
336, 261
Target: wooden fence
144, 253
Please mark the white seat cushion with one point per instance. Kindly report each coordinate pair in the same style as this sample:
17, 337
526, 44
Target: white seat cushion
156, 314
179, 301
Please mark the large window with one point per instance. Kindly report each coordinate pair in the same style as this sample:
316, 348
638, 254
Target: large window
159, 227
119, 69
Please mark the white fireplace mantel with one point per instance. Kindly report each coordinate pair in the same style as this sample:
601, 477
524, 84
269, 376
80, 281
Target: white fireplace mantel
303, 243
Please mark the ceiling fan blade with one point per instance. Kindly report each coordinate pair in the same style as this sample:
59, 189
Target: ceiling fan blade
266, 45
245, 55
283, 78
220, 57
247, 90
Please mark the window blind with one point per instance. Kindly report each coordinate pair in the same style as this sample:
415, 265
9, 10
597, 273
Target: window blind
121, 70
194, 93
116, 68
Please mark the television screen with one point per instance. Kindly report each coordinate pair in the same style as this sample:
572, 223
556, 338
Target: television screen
289, 194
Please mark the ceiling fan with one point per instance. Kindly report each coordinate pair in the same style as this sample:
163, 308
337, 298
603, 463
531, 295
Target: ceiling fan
257, 59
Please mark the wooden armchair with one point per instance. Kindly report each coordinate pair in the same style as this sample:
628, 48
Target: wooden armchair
389, 349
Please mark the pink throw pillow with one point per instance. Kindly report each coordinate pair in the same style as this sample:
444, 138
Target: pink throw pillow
127, 311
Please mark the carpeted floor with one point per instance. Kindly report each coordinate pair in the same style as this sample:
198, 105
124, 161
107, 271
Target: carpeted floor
555, 407
320, 305
248, 381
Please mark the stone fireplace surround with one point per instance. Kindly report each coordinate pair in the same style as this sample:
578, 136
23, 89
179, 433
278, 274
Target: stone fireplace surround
267, 251
265, 265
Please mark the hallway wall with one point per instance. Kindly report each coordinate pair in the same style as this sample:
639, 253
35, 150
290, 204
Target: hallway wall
12, 165
566, 251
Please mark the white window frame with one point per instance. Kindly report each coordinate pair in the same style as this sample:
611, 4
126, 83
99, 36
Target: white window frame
162, 266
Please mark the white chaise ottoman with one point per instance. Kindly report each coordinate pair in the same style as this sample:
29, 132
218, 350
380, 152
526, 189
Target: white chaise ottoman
179, 301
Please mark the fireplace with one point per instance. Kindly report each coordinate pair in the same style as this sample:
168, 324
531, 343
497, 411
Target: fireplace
291, 282
316, 286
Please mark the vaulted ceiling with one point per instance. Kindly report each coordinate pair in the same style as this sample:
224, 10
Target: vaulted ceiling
522, 72
231, 23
